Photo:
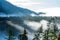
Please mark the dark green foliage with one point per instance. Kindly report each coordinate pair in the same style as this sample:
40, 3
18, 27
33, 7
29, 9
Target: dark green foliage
23, 36
51, 32
36, 37
59, 37
45, 36
55, 28
40, 30
10, 34
25, 32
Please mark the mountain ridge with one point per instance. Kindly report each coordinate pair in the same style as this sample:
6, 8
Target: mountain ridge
12, 10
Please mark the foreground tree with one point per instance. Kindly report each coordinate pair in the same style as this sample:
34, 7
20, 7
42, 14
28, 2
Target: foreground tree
36, 37
10, 35
38, 33
23, 36
45, 36
59, 37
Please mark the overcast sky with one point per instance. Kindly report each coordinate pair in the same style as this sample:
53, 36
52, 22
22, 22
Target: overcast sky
38, 5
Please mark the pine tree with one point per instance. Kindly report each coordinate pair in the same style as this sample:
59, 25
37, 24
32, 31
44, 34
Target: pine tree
38, 33
45, 36
40, 30
10, 35
36, 37
23, 36
59, 37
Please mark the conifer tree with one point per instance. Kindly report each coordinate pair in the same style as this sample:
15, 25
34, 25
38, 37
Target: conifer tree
23, 36
45, 36
59, 37
36, 37
10, 34
38, 33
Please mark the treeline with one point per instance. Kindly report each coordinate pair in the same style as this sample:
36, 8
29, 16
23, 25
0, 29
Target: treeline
51, 33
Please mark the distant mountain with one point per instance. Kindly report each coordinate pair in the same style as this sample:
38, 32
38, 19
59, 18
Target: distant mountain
15, 20
38, 14
12, 10
0, 5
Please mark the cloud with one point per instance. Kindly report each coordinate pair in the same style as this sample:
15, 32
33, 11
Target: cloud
15, 25
50, 11
22, 2
35, 25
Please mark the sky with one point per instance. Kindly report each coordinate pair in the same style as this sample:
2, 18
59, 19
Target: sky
48, 6
36, 4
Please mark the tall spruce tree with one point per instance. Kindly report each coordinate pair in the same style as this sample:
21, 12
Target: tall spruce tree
23, 36
36, 37
38, 33
40, 30
45, 36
